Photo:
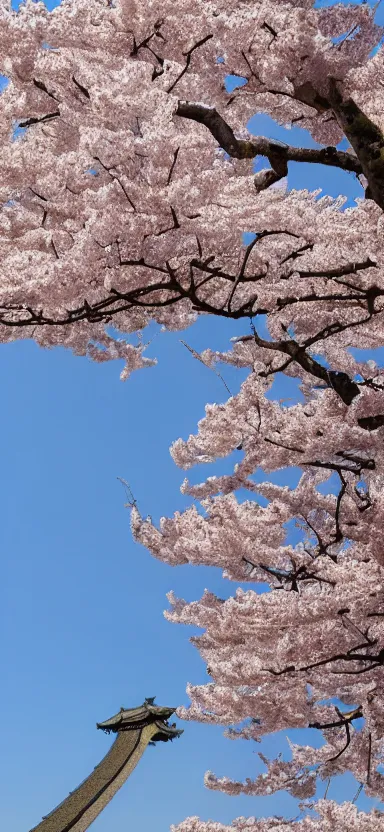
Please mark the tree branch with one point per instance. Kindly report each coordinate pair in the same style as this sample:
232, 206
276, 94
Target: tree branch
365, 137
278, 154
340, 382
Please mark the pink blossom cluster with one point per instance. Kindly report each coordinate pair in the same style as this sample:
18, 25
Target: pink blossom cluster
112, 201
344, 818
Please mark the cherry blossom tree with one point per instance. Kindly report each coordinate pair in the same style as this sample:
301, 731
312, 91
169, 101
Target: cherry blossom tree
126, 191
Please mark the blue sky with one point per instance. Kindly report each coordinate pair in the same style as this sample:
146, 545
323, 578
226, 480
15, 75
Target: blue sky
81, 605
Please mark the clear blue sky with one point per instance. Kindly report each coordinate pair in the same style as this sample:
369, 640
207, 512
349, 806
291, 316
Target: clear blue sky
82, 630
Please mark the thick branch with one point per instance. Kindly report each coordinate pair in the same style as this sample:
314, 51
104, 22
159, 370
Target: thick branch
376, 660
343, 722
365, 137
279, 154
340, 382
292, 576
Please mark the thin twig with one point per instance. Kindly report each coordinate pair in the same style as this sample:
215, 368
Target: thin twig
199, 358
369, 758
357, 795
132, 500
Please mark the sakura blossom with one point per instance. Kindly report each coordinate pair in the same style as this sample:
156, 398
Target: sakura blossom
332, 816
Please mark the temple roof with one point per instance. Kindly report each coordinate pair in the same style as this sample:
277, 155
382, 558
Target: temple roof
128, 719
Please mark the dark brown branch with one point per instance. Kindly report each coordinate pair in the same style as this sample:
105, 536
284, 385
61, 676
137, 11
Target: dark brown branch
369, 758
338, 533
348, 740
144, 44
282, 445
175, 155
371, 422
374, 661
279, 154
364, 136
355, 467
41, 86
114, 176
339, 271
283, 302
292, 576
39, 120
341, 383
81, 88
338, 723
188, 56
323, 547
344, 721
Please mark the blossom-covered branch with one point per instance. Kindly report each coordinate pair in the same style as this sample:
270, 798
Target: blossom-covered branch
278, 153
